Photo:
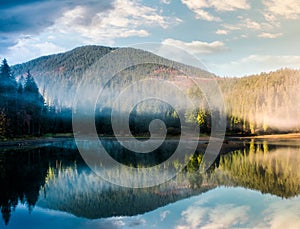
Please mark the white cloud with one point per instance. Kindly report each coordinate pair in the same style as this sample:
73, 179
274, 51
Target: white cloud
250, 24
204, 15
197, 47
126, 19
231, 27
289, 9
247, 26
199, 6
221, 32
284, 214
219, 217
28, 48
164, 214
270, 35
229, 5
165, 1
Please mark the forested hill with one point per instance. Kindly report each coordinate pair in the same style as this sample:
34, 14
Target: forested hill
262, 103
58, 73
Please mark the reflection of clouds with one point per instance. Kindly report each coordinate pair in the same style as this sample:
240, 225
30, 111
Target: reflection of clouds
284, 214
221, 216
221, 208
227, 215
136, 222
164, 214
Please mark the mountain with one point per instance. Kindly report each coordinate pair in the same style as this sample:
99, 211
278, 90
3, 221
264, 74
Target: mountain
264, 103
59, 75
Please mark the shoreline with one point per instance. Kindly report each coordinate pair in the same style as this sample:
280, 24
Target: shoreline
230, 142
32, 142
274, 136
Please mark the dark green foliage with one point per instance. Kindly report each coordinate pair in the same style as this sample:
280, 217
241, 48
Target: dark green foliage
22, 108
8, 94
33, 104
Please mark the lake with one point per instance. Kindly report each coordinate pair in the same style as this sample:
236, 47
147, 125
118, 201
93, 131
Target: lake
51, 186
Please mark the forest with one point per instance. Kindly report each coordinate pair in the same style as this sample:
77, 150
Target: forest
23, 111
36, 97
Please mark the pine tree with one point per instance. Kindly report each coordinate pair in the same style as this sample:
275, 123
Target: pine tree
33, 102
8, 89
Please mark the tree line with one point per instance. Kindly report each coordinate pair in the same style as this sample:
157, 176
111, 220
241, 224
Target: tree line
259, 104
23, 111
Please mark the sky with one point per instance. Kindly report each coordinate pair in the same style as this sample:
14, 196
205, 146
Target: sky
230, 38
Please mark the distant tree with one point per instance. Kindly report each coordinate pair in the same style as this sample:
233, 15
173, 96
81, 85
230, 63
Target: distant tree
8, 83
8, 89
3, 124
34, 103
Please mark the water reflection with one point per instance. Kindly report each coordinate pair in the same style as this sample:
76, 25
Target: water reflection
56, 177
216, 209
268, 168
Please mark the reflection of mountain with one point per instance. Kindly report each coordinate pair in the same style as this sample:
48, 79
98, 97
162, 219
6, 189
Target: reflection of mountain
60, 74
86, 195
57, 178
259, 103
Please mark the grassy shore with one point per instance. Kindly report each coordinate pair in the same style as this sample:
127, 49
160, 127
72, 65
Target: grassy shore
230, 143
276, 136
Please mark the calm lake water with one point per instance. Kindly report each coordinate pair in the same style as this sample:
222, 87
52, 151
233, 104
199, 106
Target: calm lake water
51, 187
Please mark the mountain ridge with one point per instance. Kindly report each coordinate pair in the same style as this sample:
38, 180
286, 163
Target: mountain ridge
260, 103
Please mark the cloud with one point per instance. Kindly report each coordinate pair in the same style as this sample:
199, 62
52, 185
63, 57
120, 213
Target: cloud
165, 1
164, 214
289, 9
28, 48
284, 214
218, 217
34, 16
126, 19
199, 7
270, 35
250, 24
19, 18
67, 24
221, 32
197, 47
246, 26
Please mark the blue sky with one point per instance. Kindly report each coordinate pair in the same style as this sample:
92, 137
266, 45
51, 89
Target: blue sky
231, 38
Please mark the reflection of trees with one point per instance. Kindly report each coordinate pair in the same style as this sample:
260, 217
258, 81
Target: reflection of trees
58, 178
86, 195
20, 181
22, 174
274, 170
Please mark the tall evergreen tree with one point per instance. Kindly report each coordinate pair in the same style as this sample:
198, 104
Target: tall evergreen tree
34, 103
8, 90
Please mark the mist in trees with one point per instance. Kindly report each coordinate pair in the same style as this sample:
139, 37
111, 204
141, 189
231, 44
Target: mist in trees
23, 111
258, 104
